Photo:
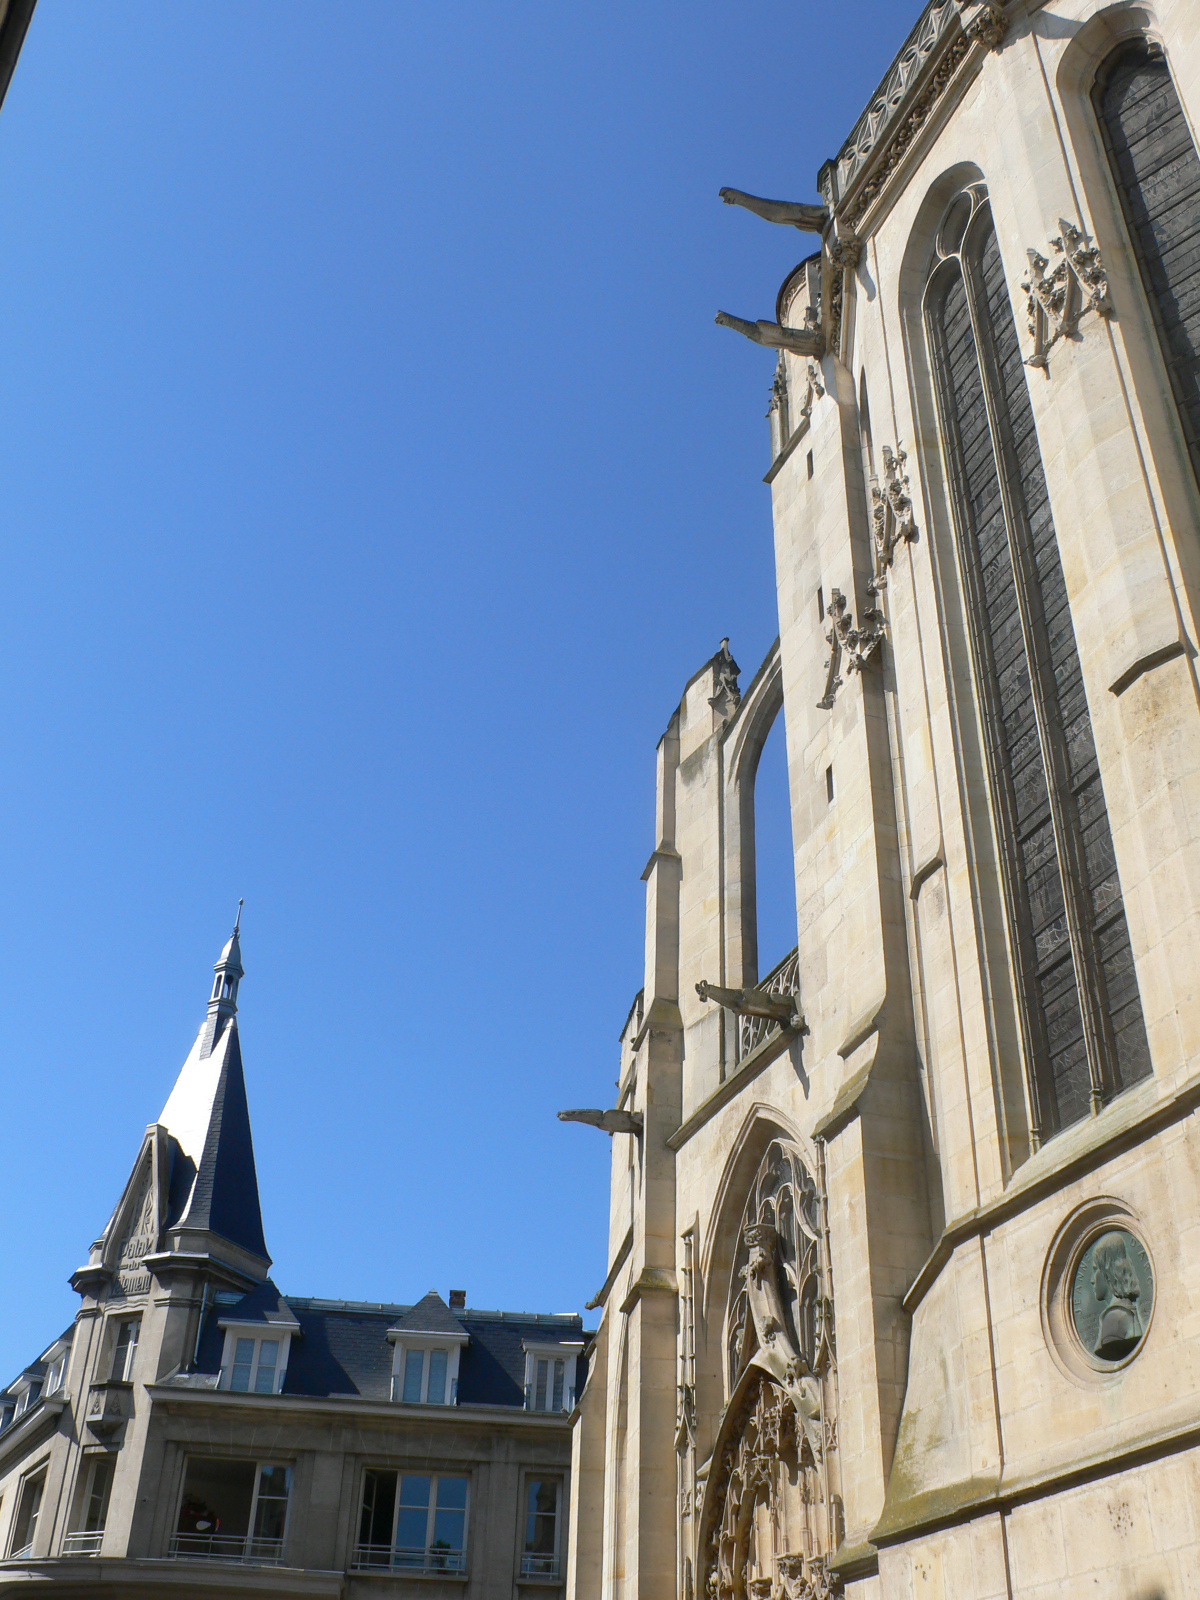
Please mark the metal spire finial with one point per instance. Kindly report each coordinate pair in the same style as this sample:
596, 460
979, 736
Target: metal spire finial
238, 919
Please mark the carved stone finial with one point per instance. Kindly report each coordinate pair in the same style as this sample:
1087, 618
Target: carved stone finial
726, 696
1061, 288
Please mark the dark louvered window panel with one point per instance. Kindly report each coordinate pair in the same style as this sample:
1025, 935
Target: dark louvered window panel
1102, 911
1157, 175
1056, 845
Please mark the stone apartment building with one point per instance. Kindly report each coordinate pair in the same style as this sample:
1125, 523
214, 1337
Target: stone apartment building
903, 1294
197, 1432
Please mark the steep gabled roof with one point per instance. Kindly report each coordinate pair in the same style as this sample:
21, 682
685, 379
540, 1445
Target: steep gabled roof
430, 1315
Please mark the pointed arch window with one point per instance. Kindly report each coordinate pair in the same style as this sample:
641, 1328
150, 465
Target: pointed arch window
1157, 174
1081, 1019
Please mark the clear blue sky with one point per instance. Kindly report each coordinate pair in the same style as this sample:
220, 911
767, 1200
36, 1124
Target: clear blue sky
373, 478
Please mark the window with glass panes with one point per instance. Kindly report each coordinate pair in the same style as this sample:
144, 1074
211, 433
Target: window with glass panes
256, 1367
539, 1558
414, 1521
26, 1520
232, 1510
548, 1384
91, 1507
424, 1377
124, 1349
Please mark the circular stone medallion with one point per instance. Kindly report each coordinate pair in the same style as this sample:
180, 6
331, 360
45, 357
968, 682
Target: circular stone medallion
1112, 1293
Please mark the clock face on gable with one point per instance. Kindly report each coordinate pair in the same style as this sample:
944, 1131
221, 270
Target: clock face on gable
1112, 1294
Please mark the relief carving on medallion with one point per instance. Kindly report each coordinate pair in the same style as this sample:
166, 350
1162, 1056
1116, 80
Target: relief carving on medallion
772, 1508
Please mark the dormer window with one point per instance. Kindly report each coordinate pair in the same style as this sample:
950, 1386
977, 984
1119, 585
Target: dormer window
255, 1361
28, 1397
55, 1361
550, 1376
427, 1343
425, 1368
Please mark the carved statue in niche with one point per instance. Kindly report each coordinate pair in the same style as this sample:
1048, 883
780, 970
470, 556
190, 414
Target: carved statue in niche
772, 1510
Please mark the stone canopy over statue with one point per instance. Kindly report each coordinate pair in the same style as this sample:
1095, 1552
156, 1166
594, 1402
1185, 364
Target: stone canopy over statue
772, 1510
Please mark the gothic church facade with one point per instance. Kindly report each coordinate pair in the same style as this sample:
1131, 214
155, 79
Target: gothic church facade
903, 1291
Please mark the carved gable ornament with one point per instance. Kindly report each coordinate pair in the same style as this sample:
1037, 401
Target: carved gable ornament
1061, 288
772, 1513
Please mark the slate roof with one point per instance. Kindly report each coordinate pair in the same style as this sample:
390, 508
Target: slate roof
431, 1315
214, 1181
342, 1347
36, 1370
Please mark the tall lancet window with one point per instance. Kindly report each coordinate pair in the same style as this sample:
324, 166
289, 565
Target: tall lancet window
1157, 173
1080, 1013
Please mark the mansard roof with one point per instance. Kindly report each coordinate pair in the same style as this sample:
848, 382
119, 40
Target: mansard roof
341, 1350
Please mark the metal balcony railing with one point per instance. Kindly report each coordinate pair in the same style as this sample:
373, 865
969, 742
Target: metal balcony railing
386, 1557
783, 979
568, 1402
535, 1566
226, 1547
83, 1544
398, 1392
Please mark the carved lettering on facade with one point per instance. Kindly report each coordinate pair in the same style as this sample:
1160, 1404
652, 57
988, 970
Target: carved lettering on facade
132, 1278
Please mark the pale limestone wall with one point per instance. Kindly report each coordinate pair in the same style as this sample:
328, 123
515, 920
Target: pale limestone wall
911, 1071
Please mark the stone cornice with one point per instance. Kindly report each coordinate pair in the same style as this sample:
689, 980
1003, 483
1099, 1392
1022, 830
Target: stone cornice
28, 1427
67, 1575
910, 102
354, 1409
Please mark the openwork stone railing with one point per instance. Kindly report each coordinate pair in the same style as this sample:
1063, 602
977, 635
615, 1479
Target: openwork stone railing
781, 980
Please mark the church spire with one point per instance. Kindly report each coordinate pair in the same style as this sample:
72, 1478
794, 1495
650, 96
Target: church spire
223, 1000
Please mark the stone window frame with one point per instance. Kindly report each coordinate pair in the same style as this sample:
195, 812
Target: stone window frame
113, 1324
33, 1478
530, 1475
